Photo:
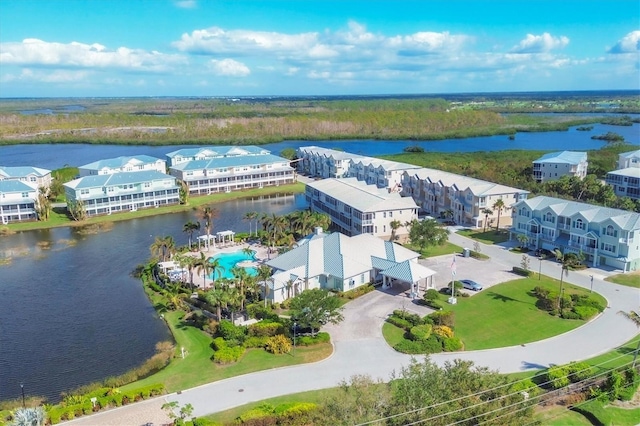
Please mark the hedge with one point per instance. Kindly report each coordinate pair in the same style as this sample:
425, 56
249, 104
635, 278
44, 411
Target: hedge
399, 322
228, 355
521, 271
266, 329
420, 332
321, 337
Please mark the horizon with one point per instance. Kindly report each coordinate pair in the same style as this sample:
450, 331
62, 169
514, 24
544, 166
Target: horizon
287, 48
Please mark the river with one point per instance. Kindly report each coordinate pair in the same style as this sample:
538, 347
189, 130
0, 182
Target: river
71, 314
54, 156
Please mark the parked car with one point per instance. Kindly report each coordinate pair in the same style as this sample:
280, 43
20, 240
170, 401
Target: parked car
471, 285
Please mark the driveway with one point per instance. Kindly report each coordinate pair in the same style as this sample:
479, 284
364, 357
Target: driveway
360, 348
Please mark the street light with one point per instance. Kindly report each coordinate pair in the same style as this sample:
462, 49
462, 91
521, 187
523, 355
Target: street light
591, 289
22, 389
540, 267
295, 326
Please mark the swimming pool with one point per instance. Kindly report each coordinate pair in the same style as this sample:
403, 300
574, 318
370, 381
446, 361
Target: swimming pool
229, 260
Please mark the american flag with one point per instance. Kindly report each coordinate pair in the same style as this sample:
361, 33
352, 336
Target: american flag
453, 266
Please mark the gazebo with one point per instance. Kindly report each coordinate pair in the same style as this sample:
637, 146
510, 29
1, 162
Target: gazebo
409, 272
222, 236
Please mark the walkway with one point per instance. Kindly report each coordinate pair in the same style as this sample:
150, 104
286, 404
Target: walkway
360, 348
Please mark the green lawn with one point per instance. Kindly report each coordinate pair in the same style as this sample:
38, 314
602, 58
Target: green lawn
197, 368
609, 415
59, 218
630, 279
446, 248
392, 334
489, 237
560, 416
506, 315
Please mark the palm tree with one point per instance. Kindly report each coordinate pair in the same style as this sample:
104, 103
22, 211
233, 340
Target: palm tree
234, 300
395, 225
321, 220
163, 247
250, 216
216, 296
448, 214
183, 191
188, 262
498, 205
43, 204
207, 213
264, 273
486, 212
208, 265
567, 261
635, 318
176, 298
523, 240
191, 227
288, 286
241, 275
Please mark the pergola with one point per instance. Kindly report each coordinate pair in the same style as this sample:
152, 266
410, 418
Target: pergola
207, 240
409, 272
221, 236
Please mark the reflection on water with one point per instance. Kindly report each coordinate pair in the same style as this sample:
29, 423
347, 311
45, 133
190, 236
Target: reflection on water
70, 312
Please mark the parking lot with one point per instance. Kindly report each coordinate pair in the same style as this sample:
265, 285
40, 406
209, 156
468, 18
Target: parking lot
485, 272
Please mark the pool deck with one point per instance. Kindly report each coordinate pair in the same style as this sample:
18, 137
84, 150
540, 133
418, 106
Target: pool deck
260, 257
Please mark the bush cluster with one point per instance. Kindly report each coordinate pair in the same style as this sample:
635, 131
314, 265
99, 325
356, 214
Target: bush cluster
431, 334
574, 306
265, 328
321, 337
521, 271
286, 413
357, 292
560, 376
278, 345
78, 405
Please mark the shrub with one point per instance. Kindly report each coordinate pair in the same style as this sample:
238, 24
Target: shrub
218, 344
578, 371
521, 271
229, 331
443, 318
432, 345
477, 255
410, 347
452, 344
265, 329
228, 355
420, 332
431, 294
557, 376
433, 304
541, 292
255, 342
278, 345
413, 319
357, 292
443, 331
321, 337
587, 301
586, 312
525, 385
399, 322
567, 314
257, 311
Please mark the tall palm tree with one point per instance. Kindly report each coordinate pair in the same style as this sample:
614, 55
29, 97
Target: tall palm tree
486, 212
264, 273
250, 217
234, 301
321, 220
207, 214
498, 206
188, 262
163, 247
288, 286
208, 265
189, 228
566, 263
216, 296
635, 318
241, 276
394, 225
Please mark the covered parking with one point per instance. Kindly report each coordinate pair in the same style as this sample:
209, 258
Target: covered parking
411, 273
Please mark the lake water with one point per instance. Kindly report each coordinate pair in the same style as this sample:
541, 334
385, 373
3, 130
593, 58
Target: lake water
54, 156
70, 313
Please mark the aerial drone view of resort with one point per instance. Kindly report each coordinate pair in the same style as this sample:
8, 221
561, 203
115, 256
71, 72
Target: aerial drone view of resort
319, 213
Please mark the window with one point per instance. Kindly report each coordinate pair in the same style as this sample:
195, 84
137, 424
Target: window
608, 247
32, 179
549, 217
390, 214
384, 214
25, 195
578, 224
84, 191
610, 231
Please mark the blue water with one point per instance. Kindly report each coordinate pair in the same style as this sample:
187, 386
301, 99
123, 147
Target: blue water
229, 260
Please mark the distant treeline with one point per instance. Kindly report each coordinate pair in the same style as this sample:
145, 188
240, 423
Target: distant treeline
186, 121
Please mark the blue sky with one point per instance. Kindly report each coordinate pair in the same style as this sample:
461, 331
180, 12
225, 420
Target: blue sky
307, 47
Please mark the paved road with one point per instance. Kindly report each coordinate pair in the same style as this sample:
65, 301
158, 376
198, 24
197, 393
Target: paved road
360, 348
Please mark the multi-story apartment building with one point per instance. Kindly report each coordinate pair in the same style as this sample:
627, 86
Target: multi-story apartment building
330, 163
211, 152
605, 236
626, 179
231, 173
629, 159
462, 199
124, 191
136, 163
357, 208
325, 163
17, 201
35, 177
554, 165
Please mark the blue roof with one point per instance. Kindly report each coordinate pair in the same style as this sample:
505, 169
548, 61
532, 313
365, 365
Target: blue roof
21, 171
219, 151
123, 178
569, 157
216, 163
7, 186
114, 163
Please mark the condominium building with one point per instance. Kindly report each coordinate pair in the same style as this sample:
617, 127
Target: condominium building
357, 208
554, 165
603, 235
629, 159
464, 200
124, 191
35, 177
330, 163
136, 163
231, 173
211, 152
17, 201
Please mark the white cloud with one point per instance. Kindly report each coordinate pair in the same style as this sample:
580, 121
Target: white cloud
186, 4
34, 52
229, 67
628, 44
540, 43
55, 76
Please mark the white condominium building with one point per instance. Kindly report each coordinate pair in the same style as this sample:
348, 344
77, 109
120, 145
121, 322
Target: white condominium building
136, 163
17, 201
35, 177
554, 165
357, 208
211, 152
